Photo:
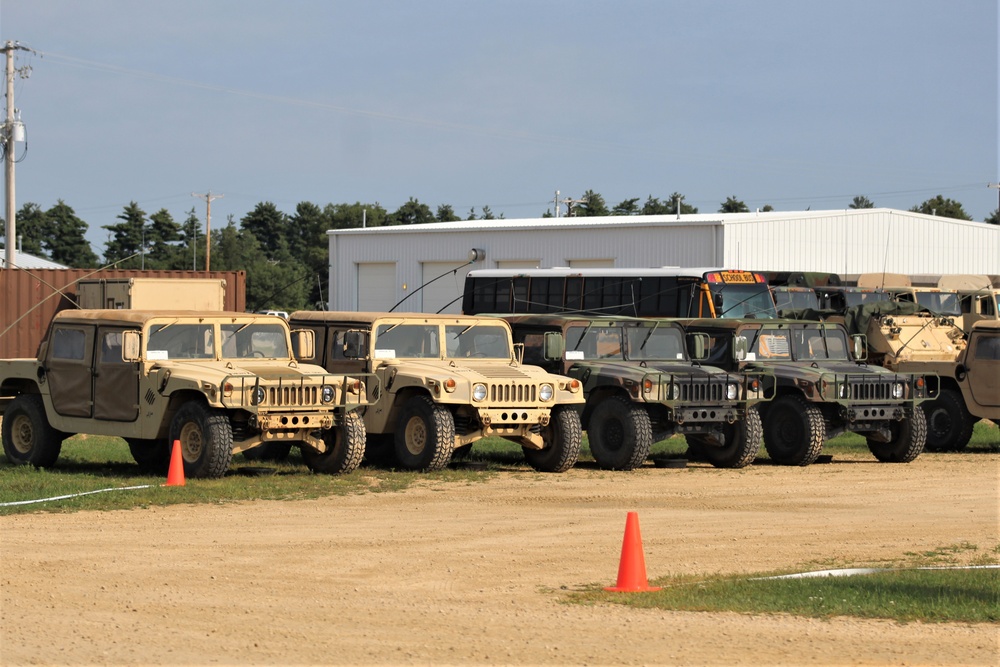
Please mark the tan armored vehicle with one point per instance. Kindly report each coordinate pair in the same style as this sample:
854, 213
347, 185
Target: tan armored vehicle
218, 382
905, 337
448, 380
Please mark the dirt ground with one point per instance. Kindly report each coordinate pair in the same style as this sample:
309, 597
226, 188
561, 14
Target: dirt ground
476, 573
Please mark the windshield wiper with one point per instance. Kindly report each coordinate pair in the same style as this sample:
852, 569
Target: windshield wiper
646, 339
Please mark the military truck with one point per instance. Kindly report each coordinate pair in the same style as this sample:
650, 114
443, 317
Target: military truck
219, 382
446, 382
906, 337
978, 373
823, 388
643, 387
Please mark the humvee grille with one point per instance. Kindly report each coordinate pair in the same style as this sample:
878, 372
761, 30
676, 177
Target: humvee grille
870, 390
513, 393
703, 391
292, 396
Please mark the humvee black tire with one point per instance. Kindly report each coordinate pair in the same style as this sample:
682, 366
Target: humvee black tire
949, 423
425, 435
794, 431
345, 444
620, 434
269, 451
908, 439
563, 439
743, 440
153, 456
28, 438
206, 440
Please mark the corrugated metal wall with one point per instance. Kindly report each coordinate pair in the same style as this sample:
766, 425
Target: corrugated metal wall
31, 298
548, 244
864, 241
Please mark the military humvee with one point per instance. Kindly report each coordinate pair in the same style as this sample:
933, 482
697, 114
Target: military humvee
448, 381
823, 389
219, 382
642, 387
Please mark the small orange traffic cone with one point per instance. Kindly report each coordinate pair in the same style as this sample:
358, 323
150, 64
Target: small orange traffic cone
175, 476
632, 567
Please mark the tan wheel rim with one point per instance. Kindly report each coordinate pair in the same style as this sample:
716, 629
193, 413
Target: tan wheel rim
192, 441
415, 435
20, 434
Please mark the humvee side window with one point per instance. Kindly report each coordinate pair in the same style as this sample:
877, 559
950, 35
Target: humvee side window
534, 348
988, 348
68, 344
111, 348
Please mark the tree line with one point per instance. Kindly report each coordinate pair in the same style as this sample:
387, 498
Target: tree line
286, 256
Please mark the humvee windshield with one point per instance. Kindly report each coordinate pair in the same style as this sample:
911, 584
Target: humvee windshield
462, 341
796, 299
245, 340
654, 343
800, 344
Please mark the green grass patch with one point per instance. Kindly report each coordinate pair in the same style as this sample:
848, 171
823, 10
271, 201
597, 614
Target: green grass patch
954, 596
94, 463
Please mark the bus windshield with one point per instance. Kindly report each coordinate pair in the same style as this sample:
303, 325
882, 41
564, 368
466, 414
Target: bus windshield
745, 301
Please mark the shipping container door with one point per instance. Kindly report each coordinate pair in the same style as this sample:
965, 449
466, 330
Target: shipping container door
377, 286
445, 292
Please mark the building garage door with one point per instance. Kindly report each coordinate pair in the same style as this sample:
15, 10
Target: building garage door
377, 286
445, 292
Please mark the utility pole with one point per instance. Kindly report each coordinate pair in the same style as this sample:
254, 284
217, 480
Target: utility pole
11, 130
208, 197
995, 186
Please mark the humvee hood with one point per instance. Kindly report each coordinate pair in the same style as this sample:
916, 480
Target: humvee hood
266, 372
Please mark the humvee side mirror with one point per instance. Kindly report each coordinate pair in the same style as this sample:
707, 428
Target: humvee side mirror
740, 348
131, 346
717, 304
860, 347
961, 372
554, 346
698, 346
354, 344
304, 344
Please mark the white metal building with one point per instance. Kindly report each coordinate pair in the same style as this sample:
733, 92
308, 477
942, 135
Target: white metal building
376, 268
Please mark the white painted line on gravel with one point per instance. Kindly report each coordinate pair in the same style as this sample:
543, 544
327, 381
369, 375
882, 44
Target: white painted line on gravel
76, 495
852, 571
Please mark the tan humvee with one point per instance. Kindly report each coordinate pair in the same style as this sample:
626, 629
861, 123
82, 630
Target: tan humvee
445, 381
218, 382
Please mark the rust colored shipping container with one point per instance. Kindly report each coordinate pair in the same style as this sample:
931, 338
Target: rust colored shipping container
31, 297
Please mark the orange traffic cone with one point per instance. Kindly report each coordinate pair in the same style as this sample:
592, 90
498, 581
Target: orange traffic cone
175, 476
632, 568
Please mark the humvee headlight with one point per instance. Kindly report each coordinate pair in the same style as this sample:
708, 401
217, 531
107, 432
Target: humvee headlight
328, 393
897, 390
546, 392
732, 392
674, 392
479, 392
845, 391
258, 396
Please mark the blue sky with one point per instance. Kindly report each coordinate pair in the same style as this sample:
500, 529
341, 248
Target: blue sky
793, 103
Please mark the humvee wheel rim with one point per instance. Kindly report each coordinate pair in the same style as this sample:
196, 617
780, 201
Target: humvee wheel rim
20, 434
192, 441
416, 435
939, 423
613, 435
